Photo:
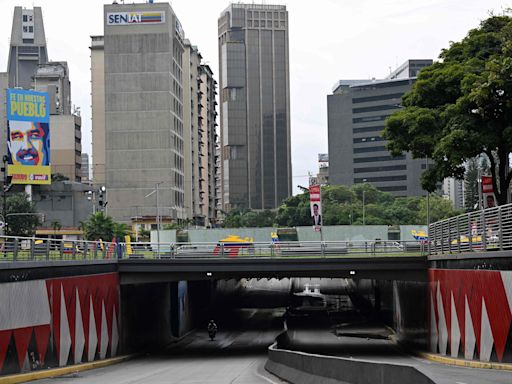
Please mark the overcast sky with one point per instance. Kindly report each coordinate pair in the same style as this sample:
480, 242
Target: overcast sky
329, 40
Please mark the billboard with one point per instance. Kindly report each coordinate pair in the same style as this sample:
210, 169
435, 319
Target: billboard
28, 137
315, 203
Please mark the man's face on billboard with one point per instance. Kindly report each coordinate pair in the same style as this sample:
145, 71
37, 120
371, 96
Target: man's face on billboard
26, 143
315, 209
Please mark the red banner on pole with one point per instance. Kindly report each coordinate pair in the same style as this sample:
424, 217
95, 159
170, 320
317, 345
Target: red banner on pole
315, 202
488, 192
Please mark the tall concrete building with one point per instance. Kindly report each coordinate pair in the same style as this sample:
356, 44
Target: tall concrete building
27, 47
200, 138
65, 123
357, 110
29, 68
143, 123
98, 109
453, 190
256, 167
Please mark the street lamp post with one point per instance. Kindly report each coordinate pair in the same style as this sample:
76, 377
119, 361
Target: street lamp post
157, 215
363, 209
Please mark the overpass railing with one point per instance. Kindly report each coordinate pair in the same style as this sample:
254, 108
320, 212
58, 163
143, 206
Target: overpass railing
486, 230
41, 249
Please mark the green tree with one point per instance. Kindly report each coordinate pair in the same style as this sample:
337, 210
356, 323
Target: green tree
120, 230
440, 209
461, 107
98, 226
22, 218
56, 225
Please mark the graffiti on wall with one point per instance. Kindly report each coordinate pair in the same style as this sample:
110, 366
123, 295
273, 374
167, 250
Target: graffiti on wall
57, 322
471, 314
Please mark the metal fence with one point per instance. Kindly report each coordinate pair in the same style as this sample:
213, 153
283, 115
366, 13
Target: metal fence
485, 230
41, 249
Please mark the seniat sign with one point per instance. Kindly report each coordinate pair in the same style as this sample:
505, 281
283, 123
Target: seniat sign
127, 18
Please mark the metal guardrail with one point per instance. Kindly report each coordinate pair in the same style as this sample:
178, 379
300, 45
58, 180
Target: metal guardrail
486, 230
43, 249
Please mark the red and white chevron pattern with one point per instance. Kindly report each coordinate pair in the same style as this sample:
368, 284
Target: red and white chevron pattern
76, 317
471, 314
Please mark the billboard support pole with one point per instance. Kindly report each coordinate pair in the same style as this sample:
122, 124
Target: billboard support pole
28, 191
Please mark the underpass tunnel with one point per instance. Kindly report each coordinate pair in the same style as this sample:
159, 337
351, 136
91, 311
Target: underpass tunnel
155, 315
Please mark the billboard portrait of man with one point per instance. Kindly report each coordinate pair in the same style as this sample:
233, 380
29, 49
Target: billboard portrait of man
28, 143
28, 137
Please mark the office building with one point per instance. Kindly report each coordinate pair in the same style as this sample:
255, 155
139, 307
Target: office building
357, 110
255, 106
29, 68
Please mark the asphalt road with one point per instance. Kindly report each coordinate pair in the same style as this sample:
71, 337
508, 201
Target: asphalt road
354, 345
236, 356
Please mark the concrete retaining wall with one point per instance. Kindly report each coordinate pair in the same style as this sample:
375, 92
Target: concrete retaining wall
304, 368
330, 233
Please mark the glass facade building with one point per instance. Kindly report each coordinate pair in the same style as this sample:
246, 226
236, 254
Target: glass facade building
255, 106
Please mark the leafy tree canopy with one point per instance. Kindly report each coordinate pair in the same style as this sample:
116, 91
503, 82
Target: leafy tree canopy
461, 107
100, 226
342, 205
22, 218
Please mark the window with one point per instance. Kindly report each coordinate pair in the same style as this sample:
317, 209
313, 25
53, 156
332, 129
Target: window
374, 108
368, 129
25, 18
381, 169
380, 179
31, 29
378, 158
370, 149
369, 139
376, 98
369, 118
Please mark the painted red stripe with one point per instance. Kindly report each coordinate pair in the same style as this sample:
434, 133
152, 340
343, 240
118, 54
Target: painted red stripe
5, 338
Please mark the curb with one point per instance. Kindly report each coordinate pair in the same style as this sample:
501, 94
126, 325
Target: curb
48, 373
464, 363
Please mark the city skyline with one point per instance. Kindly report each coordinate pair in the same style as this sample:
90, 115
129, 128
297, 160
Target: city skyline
318, 57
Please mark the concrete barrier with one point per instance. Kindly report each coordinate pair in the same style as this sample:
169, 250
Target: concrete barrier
306, 368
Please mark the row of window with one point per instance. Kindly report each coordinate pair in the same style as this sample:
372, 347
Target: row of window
377, 128
369, 118
262, 14
378, 158
387, 168
265, 24
370, 149
368, 139
375, 108
379, 179
366, 99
